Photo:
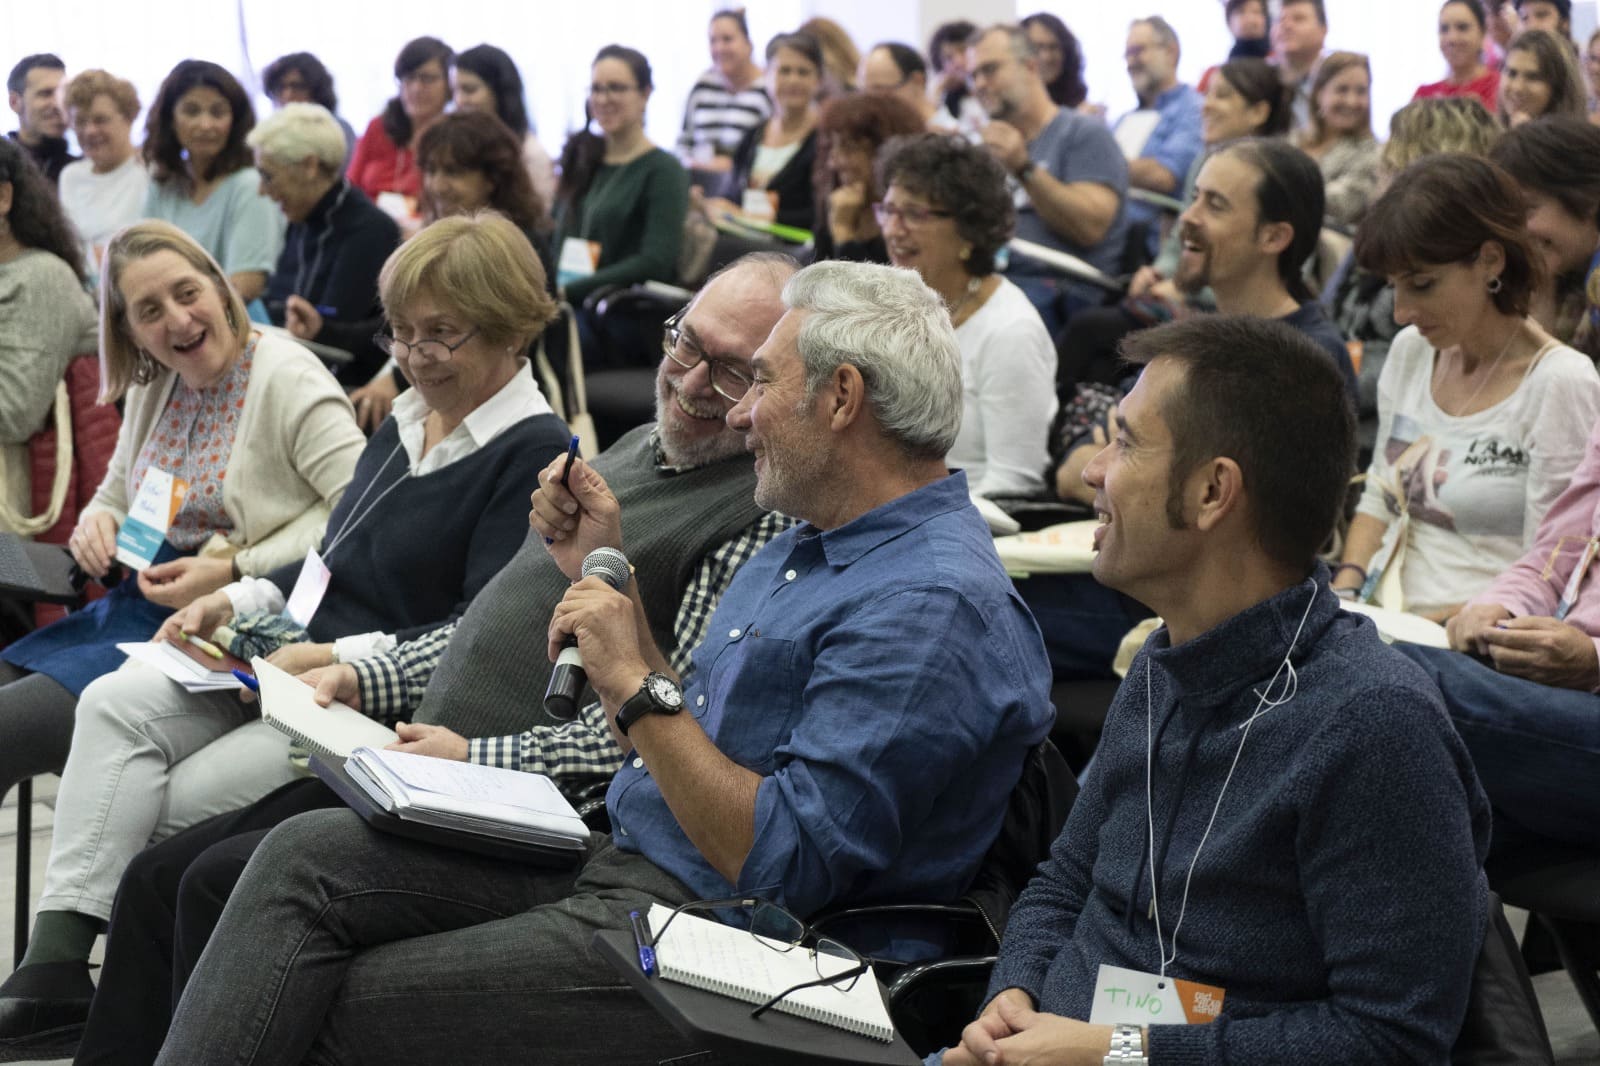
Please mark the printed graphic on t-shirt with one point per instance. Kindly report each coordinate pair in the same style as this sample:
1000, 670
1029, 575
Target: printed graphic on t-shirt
1472, 482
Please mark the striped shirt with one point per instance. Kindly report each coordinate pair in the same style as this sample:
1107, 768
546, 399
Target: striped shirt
580, 755
716, 118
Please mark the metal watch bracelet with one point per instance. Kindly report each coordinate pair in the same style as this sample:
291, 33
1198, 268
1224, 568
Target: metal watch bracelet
1127, 1046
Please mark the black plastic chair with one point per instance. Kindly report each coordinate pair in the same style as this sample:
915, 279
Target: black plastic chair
1559, 886
919, 1005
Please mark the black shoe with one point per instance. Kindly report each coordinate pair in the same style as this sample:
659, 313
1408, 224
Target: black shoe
43, 996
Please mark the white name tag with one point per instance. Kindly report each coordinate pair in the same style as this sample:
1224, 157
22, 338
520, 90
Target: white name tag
1131, 997
578, 260
309, 588
154, 508
759, 203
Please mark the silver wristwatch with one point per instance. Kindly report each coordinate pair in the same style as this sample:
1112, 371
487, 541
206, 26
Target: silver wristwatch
1127, 1045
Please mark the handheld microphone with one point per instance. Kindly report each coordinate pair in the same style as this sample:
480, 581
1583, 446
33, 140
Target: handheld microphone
568, 679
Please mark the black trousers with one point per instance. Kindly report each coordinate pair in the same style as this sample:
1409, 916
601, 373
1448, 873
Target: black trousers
166, 907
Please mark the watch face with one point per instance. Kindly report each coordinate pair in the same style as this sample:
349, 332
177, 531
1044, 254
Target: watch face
664, 691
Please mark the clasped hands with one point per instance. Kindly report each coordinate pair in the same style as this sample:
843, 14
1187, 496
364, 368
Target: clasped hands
1539, 649
1010, 1032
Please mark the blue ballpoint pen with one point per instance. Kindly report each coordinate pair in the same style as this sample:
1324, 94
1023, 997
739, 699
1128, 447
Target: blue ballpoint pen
249, 680
641, 940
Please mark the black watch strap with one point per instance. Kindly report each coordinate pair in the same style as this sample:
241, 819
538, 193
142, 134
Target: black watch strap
659, 694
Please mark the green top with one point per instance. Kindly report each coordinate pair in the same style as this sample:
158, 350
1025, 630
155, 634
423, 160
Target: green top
635, 211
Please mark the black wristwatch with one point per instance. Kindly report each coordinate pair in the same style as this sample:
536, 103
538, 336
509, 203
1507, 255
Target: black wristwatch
1025, 171
658, 695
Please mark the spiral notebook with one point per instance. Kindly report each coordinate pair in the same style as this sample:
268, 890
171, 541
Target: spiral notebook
729, 961
335, 730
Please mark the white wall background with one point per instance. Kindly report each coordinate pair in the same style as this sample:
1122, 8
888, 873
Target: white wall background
553, 42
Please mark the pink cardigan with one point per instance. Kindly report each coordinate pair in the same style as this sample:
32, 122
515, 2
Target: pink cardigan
1574, 515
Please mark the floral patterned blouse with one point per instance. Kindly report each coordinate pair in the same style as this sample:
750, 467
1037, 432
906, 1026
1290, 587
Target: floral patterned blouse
194, 440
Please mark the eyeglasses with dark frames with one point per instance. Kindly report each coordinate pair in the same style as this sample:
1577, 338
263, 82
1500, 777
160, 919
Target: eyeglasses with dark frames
435, 350
837, 965
729, 381
909, 214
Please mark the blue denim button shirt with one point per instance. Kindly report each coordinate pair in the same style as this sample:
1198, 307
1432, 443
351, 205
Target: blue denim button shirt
885, 680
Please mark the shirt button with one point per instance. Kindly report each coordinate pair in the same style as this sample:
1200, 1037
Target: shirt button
789, 576
638, 763
699, 701
733, 634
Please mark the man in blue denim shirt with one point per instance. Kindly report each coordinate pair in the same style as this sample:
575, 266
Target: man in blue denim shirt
856, 722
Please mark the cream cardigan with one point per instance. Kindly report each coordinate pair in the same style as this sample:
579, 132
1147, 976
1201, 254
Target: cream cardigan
294, 450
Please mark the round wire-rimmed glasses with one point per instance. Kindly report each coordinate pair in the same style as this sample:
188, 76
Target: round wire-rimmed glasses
837, 965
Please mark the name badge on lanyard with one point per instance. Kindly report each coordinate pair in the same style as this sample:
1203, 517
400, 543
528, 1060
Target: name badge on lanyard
1132, 997
309, 588
154, 509
1569, 595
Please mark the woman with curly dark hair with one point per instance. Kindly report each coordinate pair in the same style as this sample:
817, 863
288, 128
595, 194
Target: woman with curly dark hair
385, 156
202, 177
46, 318
1060, 58
487, 79
301, 78
945, 213
850, 131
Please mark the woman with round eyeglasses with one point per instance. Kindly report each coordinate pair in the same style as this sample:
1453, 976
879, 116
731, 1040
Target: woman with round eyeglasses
385, 158
620, 203
470, 162
436, 507
945, 213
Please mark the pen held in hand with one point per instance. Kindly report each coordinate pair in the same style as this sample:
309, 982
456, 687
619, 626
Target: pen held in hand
566, 471
204, 645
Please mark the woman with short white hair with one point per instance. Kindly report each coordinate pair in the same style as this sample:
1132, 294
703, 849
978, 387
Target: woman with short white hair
325, 286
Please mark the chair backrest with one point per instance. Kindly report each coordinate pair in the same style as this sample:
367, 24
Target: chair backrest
1034, 816
1503, 1026
94, 438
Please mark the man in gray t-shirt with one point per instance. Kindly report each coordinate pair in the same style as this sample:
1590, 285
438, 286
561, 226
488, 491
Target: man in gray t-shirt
1070, 177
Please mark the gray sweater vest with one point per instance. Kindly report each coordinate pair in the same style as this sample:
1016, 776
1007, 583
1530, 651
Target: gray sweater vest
492, 677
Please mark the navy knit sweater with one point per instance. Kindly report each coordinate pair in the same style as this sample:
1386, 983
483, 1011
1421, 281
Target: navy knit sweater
1339, 899
420, 555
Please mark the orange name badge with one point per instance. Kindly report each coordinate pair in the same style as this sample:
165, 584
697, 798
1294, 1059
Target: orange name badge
1132, 997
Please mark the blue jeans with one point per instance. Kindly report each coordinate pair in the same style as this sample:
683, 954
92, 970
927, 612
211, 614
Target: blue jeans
1536, 748
1082, 621
342, 944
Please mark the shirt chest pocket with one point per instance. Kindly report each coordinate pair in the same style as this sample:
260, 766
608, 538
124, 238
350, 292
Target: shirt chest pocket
753, 699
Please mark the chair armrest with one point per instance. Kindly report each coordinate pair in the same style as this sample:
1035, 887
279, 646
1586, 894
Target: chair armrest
964, 969
954, 913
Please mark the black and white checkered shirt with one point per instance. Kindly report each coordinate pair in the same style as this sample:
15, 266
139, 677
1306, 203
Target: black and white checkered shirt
392, 683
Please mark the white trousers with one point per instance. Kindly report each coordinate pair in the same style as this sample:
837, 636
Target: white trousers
147, 760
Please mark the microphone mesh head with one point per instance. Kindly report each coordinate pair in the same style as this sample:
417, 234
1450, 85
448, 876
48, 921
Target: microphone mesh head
610, 564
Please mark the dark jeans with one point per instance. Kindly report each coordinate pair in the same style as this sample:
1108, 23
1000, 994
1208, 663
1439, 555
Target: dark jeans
1083, 622
167, 905
344, 945
1536, 748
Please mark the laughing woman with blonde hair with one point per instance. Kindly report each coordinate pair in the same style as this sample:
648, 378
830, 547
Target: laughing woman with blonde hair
437, 505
